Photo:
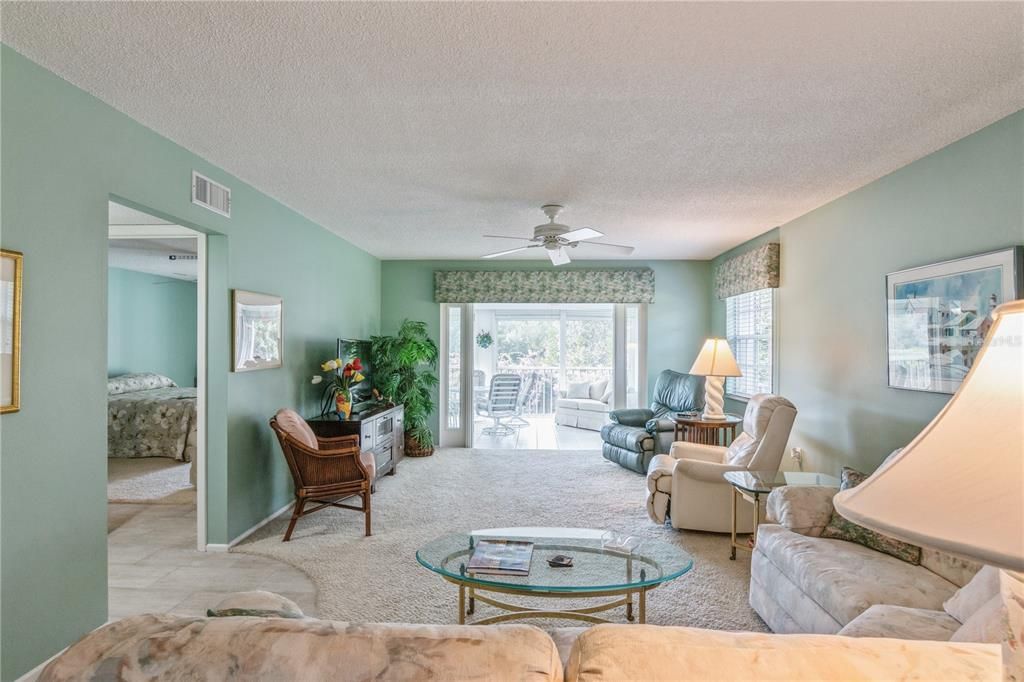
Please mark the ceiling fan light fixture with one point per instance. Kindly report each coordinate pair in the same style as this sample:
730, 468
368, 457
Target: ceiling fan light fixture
556, 238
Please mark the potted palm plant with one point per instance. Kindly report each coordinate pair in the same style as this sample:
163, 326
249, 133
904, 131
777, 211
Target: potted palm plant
403, 371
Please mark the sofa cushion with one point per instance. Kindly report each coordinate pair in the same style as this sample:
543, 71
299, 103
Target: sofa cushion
256, 603
987, 624
592, 406
845, 578
843, 529
173, 649
597, 389
578, 389
653, 653
582, 404
972, 596
953, 568
900, 622
627, 437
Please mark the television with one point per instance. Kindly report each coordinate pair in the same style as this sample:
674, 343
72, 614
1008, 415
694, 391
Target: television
358, 348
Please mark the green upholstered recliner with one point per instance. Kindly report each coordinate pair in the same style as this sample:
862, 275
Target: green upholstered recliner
635, 435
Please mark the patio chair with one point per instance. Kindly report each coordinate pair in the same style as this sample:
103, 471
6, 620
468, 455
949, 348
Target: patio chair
501, 403
525, 395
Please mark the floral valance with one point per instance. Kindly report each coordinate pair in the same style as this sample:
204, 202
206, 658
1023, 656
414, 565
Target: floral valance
545, 286
753, 270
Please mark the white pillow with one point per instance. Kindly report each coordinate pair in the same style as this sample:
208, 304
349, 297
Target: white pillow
987, 625
597, 388
972, 596
578, 390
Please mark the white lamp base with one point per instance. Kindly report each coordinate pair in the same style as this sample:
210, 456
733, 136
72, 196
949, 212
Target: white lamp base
714, 398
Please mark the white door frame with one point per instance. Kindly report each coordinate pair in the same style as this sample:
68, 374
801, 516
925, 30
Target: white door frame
462, 436
172, 232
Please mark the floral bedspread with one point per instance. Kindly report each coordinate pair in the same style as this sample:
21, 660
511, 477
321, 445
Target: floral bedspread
158, 422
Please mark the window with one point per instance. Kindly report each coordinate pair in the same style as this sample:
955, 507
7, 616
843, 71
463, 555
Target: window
748, 328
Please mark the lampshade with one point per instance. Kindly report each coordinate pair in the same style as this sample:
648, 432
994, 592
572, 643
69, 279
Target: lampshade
959, 485
715, 360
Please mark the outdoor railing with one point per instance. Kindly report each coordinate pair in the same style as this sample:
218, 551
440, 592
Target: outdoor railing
542, 396
547, 389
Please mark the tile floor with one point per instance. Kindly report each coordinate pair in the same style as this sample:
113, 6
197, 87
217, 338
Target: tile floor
155, 567
541, 434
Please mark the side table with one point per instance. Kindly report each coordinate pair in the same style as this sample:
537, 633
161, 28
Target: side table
751, 485
696, 429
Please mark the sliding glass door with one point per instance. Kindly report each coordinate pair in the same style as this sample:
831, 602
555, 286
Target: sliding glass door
552, 347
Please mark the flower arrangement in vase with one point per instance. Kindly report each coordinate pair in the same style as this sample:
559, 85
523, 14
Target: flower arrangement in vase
343, 375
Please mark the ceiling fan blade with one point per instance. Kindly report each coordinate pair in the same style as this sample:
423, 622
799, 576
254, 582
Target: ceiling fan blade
625, 250
558, 256
505, 253
581, 234
505, 236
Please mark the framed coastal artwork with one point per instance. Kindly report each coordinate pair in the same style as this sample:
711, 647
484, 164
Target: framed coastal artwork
11, 263
938, 316
257, 331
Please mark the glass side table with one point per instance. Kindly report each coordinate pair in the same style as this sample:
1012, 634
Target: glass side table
751, 485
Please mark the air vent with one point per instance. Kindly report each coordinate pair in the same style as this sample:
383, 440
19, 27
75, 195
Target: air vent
211, 195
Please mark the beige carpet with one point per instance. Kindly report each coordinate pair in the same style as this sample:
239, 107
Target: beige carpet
378, 578
149, 480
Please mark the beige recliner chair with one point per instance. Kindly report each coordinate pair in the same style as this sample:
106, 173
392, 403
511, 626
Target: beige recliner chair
686, 485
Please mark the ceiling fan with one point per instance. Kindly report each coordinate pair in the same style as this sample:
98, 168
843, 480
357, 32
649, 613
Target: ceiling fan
557, 239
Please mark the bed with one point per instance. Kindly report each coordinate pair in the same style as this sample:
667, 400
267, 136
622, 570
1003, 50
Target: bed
148, 415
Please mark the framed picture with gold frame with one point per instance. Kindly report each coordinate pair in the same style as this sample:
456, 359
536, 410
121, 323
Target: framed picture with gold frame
11, 264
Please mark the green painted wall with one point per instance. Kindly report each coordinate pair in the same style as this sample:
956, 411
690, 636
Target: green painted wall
64, 155
677, 320
151, 325
964, 199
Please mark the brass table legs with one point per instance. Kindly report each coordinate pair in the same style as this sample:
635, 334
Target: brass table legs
470, 594
756, 499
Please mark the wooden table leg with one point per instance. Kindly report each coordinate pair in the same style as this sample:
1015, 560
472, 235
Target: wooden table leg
643, 606
462, 604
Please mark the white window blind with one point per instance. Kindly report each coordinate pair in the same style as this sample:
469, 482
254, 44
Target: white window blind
748, 328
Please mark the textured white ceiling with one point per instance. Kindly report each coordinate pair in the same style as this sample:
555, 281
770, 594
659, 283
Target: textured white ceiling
411, 129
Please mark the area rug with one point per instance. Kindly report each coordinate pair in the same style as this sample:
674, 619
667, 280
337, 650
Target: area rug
149, 480
378, 579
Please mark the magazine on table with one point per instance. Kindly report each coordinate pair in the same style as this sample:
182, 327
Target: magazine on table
501, 557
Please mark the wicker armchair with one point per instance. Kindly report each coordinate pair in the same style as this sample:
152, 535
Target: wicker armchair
325, 470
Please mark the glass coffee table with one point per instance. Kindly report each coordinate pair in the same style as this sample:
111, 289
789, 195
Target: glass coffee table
751, 485
597, 572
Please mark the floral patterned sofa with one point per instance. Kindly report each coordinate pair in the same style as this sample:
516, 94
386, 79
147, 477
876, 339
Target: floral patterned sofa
257, 639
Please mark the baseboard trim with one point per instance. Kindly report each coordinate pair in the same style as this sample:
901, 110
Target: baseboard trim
215, 547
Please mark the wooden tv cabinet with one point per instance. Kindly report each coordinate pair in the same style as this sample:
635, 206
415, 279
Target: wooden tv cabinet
381, 430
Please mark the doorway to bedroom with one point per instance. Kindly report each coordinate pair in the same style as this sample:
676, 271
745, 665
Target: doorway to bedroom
155, 369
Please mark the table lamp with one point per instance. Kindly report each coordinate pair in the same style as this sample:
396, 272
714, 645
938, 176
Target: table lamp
715, 362
958, 487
